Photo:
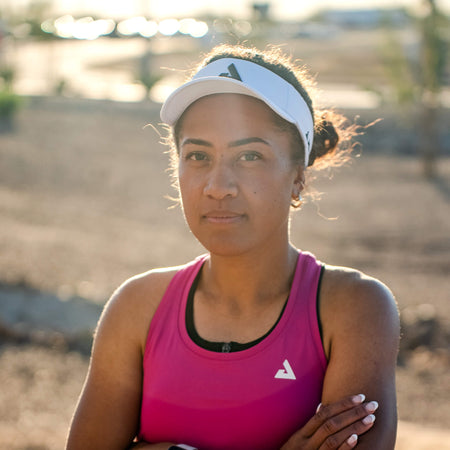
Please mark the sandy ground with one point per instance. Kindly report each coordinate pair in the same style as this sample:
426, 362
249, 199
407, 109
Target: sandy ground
83, 207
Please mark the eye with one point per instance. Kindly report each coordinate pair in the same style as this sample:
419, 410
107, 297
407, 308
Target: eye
196, 156
250, 156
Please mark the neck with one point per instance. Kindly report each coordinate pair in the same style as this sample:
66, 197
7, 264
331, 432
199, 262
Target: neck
250, 280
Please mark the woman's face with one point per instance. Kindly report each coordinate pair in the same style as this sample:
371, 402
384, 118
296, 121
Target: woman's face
236, 174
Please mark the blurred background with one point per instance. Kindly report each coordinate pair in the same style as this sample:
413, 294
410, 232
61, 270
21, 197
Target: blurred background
84, 188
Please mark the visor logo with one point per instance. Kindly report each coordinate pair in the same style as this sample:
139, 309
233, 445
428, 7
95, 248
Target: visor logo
232, 73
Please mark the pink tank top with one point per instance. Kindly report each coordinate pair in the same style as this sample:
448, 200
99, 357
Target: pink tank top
250, 399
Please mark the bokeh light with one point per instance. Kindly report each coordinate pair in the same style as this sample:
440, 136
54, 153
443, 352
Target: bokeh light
169, 27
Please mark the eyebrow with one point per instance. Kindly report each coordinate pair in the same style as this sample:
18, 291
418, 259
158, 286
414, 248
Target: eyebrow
237, 143
249, 140
196, 142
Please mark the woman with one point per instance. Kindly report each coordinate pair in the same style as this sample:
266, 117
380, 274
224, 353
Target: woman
255, 345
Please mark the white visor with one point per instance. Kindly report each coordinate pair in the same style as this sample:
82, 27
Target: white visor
238, 76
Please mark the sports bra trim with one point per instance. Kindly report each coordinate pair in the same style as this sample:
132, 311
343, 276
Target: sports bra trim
214, 346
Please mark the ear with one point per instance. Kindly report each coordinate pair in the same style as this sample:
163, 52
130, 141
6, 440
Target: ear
299, 180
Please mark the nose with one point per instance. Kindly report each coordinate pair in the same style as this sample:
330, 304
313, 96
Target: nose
221, 182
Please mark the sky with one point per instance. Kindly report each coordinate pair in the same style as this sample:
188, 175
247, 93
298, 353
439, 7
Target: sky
281, 9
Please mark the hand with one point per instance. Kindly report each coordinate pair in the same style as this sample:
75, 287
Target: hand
335, 426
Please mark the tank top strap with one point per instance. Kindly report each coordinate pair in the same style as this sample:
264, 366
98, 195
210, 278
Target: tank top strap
305, 293
168, 310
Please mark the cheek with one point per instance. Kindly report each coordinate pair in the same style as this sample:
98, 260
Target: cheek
275, 185
190, 189
186, 193
186, 180
183, 185
272, 196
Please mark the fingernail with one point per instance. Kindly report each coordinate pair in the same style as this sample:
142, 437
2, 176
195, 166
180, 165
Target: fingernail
352, 439
358, 398
368, 419
318, 407
372, 406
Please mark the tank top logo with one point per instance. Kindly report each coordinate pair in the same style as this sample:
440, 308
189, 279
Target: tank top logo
287, 373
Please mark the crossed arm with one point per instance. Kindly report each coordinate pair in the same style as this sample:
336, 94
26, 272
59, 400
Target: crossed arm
360, 336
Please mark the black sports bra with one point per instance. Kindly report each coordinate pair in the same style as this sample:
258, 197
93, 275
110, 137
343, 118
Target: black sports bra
221, 347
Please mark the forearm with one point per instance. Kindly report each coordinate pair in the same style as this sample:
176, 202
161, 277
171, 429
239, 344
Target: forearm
382, 435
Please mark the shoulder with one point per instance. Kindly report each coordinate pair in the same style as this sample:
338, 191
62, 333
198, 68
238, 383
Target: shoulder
130, 309
345, 287
145, 289
352, 300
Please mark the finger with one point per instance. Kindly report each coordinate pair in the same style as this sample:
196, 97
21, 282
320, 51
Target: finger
349, 443
325, 412
348, 437
359, 416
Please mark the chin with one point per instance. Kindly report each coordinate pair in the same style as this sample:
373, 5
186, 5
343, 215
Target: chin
224, 247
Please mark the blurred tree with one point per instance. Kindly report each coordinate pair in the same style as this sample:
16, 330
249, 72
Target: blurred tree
9, 101
261, 10
262, 24
25, 19
417, 80
433, 64
37, 12
7, 77
400, 73
148, 80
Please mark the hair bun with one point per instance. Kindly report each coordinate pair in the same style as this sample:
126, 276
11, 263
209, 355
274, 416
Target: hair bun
325, 141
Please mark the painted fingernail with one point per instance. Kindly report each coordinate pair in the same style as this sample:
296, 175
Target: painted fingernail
372, 406
318, 407
352, 439
368, 419
358, 398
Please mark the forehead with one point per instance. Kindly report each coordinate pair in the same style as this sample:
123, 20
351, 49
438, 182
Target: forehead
230, 110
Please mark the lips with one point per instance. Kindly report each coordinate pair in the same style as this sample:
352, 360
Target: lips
223, 217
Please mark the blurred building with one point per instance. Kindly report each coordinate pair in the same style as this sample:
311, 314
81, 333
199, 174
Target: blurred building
364, 18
